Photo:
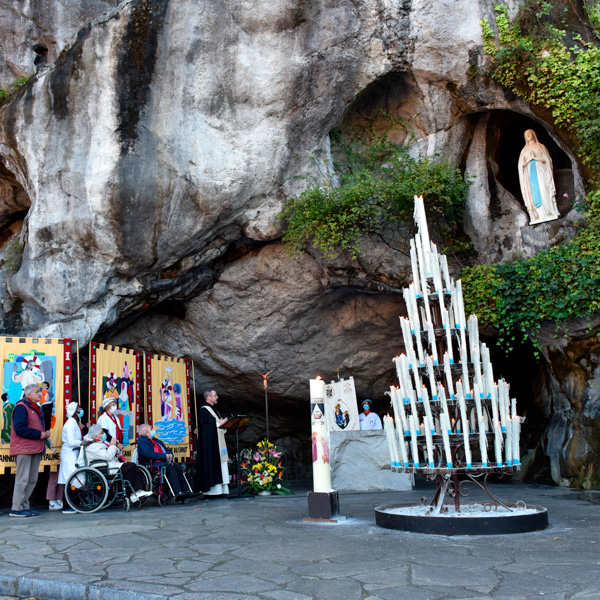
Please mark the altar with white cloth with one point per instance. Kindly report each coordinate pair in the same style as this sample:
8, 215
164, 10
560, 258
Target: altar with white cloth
360, 461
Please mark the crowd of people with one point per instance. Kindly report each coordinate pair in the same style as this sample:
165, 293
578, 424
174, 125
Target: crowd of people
103, 441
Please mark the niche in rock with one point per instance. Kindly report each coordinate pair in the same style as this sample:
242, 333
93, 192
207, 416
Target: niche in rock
14, 203
388, 106
41, 55
505, 140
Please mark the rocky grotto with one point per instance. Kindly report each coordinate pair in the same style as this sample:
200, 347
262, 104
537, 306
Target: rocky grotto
144, 163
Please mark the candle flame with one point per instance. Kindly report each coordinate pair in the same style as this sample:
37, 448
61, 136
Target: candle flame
318, 377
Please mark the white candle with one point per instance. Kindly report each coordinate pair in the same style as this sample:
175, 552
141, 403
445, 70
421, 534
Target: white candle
408, 341
465, 423
424, 287
432, 344
465, 370
516, 441
448, 374
388, 436
446, 326
402, 445
320, 435
480, 419
414, 264
427, 406
445, 425
461, 309
431, 377
413, 441
436, 272
508, 447
447, 280
516, 425
417, 326
394, 443
498, 443
483, 443
494, 403
399, 410
429, 440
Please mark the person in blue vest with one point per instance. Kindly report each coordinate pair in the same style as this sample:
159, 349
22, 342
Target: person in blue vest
152, 451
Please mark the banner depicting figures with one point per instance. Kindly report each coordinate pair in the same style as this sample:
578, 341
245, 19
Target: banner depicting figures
342, 408
115, 373
44, 362
168, 400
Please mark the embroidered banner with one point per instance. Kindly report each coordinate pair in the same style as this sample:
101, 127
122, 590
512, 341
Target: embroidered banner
342, 408
45, 362
168, 397
115, 373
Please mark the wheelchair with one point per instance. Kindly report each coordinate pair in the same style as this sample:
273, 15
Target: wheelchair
161, 486
95, 486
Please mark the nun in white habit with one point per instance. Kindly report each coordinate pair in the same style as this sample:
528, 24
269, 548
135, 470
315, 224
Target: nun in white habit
71, 441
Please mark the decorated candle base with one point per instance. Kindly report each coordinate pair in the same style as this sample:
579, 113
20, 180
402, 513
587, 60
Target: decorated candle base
323, 505
473, 519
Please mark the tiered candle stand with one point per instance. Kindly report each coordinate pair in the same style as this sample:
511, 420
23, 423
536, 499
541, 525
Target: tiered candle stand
447, 412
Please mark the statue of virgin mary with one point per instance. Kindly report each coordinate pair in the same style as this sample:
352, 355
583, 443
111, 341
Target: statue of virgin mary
537, 181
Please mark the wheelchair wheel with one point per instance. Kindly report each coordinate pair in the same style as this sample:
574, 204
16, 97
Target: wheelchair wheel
162, 501
126, 504
147, 484
86, 490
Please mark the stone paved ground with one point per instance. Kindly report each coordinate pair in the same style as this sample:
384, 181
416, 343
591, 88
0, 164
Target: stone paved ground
260, 548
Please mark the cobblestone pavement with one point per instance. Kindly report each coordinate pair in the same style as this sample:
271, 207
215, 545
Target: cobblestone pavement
260, 548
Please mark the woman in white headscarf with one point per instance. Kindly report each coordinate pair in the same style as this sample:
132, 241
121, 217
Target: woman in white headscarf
71, 442
537, 180
109, 422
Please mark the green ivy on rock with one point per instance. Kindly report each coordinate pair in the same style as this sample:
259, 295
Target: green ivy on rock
372, 193
554, 285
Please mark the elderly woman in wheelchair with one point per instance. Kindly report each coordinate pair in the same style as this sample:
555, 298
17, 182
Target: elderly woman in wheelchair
104, 477
168, 479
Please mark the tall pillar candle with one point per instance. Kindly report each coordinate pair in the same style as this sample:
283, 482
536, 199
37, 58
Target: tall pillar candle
465, 370
516, 423
447, 280
508, 447
388, 440
424, 287
427, 406
432, 343
448, 374
498, 443
483, 443
465, 426
446, 428
446, 326
431, 377
413, 440
414, 264
461, 309
429, 439
402, 444
320, 437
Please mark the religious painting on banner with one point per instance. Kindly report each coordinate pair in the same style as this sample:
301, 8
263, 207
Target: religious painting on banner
115, 373
168, 397
342, 407
44, 362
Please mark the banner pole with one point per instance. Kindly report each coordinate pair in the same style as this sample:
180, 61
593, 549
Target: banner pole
79, 381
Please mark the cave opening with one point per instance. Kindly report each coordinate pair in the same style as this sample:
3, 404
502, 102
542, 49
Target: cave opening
505, 133
41, 55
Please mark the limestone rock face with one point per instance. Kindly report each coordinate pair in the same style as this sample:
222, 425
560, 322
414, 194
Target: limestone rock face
143, 166
571, 401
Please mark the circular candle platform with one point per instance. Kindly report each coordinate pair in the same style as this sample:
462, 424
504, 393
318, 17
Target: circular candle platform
473, 519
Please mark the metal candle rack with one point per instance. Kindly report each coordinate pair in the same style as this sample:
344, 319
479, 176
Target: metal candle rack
447, 412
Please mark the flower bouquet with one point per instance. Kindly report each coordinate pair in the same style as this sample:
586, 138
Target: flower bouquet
262, 470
